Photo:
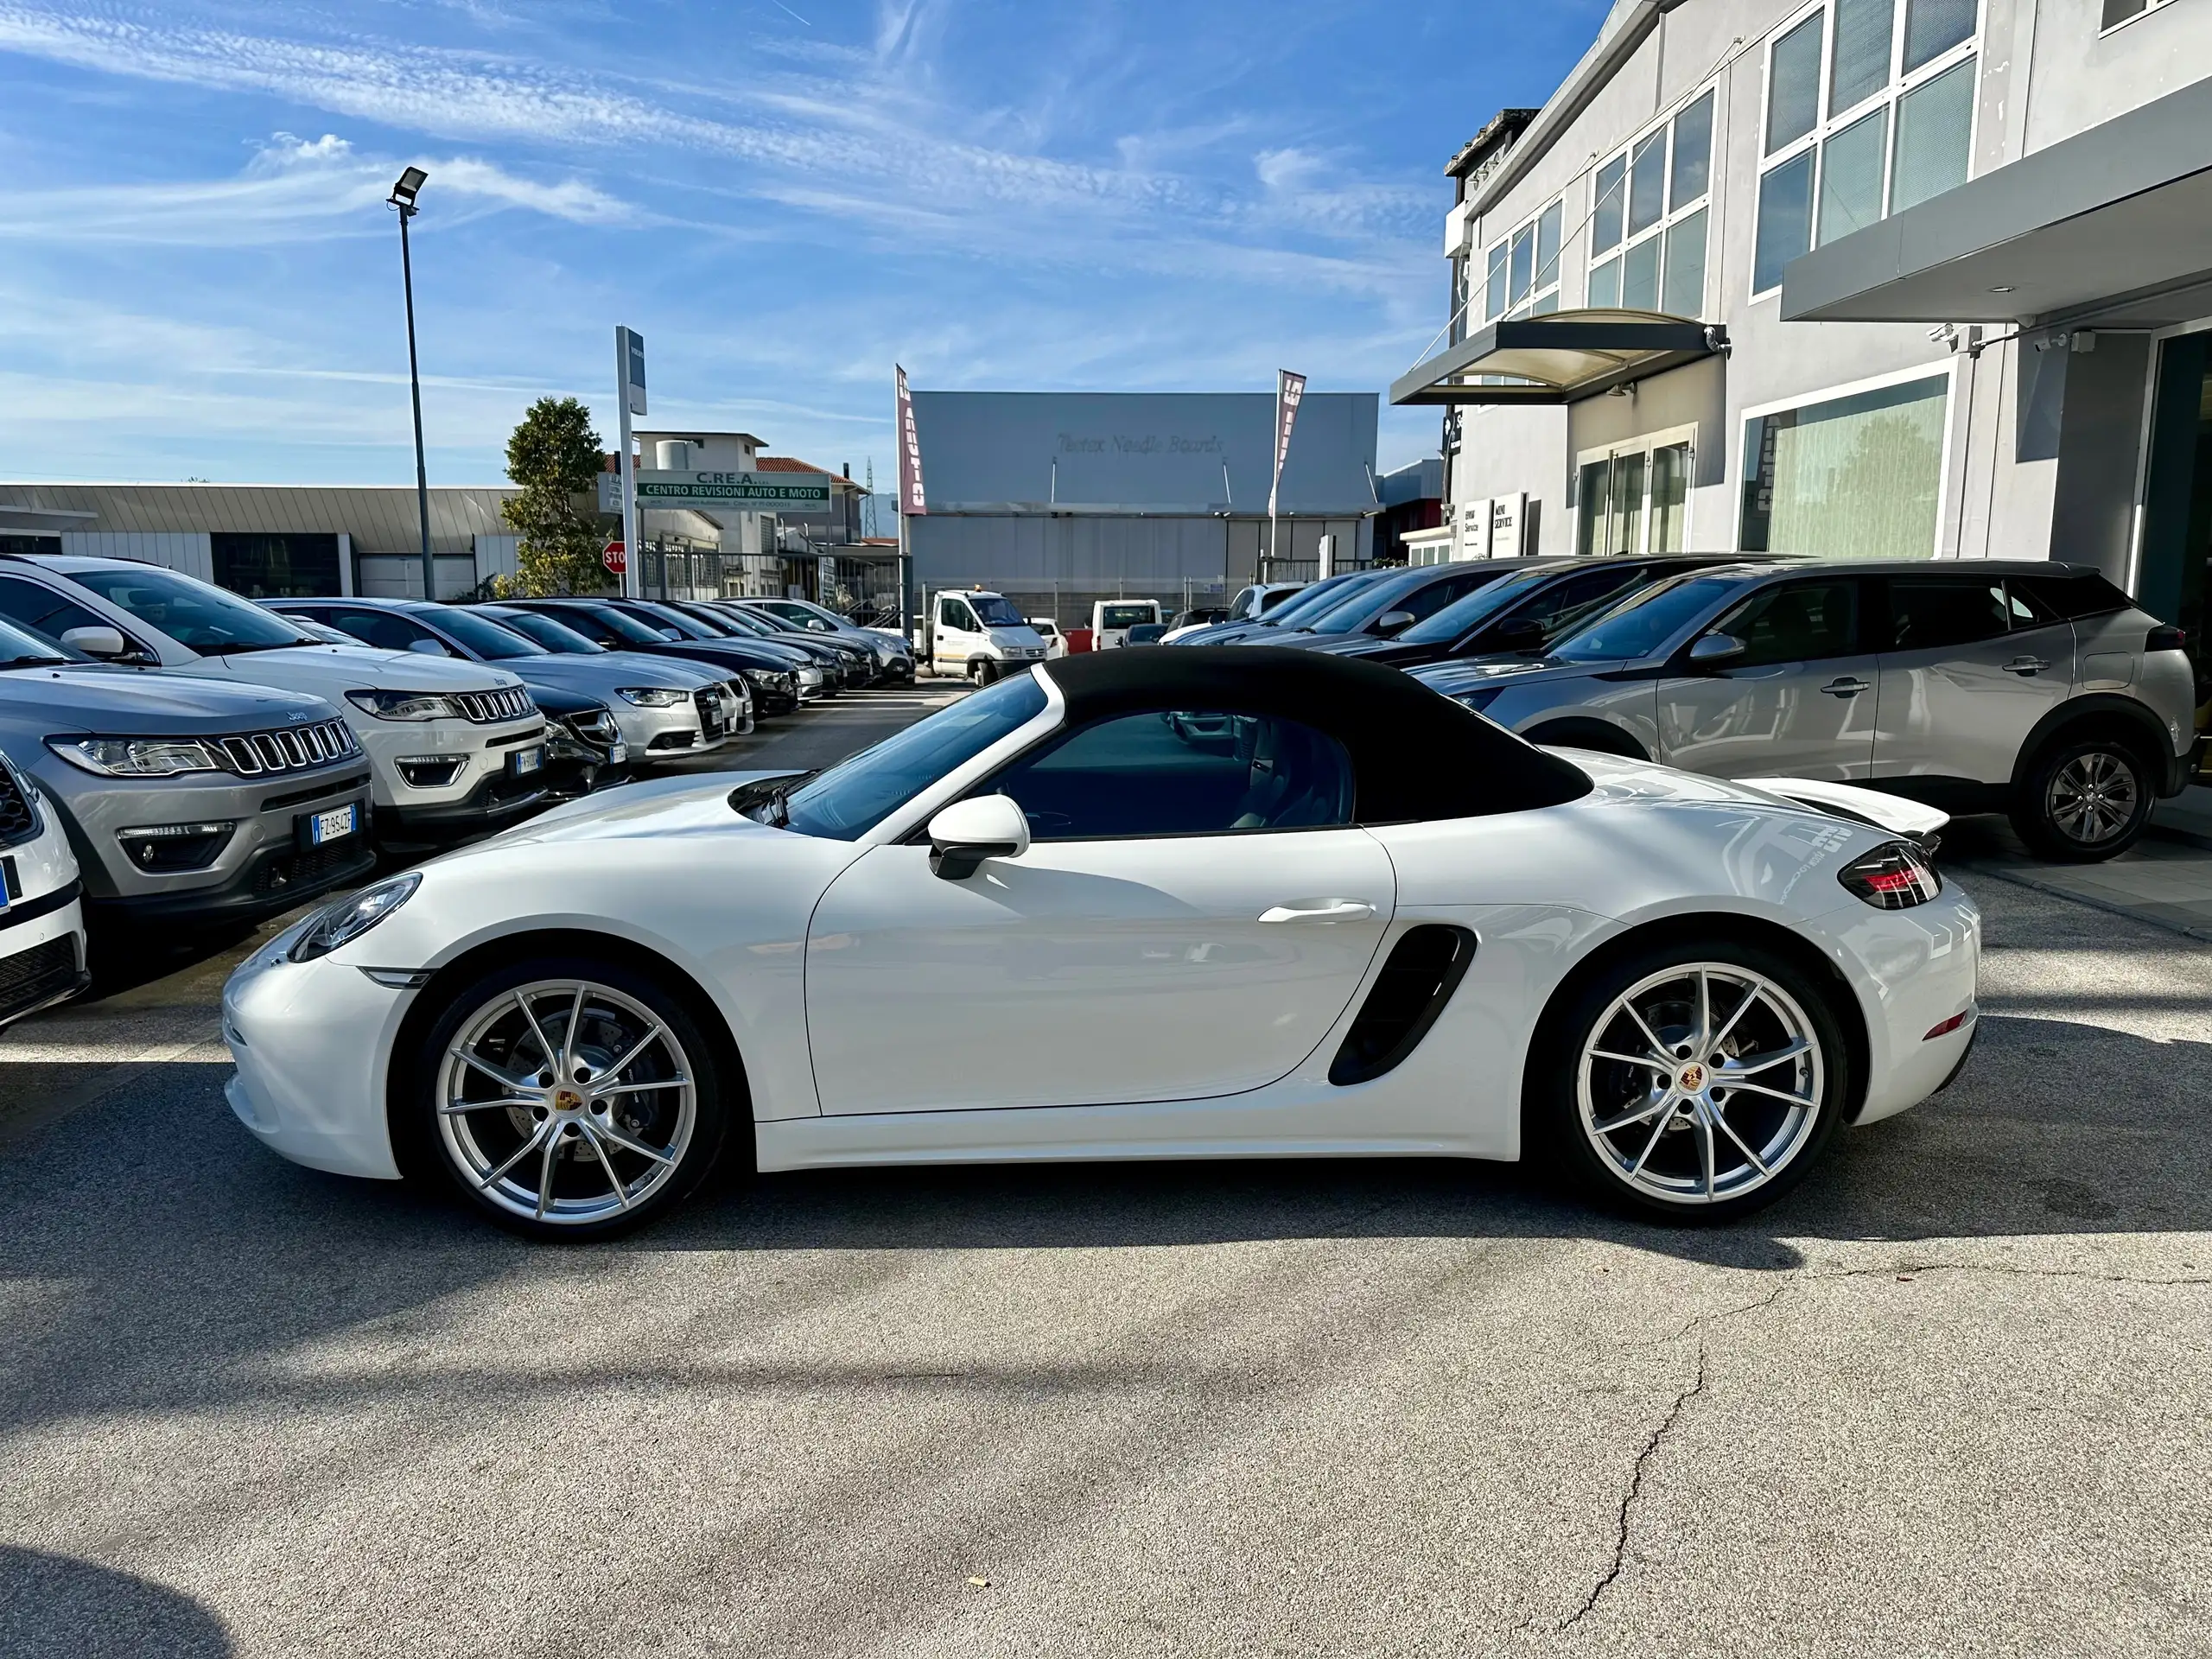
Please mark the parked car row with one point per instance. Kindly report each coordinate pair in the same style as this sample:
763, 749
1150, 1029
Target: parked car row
172, 753
2031, 689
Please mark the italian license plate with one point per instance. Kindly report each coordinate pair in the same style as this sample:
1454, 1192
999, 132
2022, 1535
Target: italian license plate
333, 825
526, 761
617, 755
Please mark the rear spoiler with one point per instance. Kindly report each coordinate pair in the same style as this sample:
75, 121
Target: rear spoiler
1894, 813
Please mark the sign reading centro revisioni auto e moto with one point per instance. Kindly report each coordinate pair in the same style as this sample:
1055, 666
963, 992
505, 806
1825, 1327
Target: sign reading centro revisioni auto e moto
799, 492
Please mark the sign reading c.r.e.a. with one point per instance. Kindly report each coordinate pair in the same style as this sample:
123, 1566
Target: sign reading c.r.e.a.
790, 492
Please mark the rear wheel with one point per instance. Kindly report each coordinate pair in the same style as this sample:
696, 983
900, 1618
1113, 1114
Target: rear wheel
2085, 800
569, 1098
1695, 1082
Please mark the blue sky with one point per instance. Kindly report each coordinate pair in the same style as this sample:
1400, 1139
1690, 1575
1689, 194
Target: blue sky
198, 277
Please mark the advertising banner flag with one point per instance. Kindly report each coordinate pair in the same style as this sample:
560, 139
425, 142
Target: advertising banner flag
1289, 388
911, 501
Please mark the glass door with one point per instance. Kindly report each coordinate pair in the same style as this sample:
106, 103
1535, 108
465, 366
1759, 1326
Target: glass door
1634, 498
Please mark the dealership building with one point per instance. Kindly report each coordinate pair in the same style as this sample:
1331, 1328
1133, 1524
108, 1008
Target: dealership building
1920, 278
1060, 498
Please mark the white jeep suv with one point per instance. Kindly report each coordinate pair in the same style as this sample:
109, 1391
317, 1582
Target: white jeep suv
458, 748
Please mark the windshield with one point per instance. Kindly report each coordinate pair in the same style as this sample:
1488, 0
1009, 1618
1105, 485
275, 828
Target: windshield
195, 615
544, 631
21, 648
668, 616
995, 613
1376, 600
1316, 601
762, 622
1464, 613
852, 798
1645, 622
491, 641
623, 626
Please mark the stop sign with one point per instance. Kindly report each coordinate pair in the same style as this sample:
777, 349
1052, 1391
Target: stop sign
613, 557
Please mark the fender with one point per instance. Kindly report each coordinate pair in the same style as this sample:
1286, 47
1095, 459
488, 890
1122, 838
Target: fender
2102, 707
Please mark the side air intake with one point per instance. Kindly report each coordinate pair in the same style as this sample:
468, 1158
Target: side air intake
1424, 968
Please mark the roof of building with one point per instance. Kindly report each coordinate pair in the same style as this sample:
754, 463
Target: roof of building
381, 518
1499, 130
1416, 755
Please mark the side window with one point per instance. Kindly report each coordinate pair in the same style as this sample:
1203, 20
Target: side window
951, 614
1801, 622
1928, 613
1182, 772
1553, 608
44, 610
1435, 597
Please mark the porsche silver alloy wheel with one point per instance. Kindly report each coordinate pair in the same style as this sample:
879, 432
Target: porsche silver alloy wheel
2092, 797
1700, 1083
566, 1101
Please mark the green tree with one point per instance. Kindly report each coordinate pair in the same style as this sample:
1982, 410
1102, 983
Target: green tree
555, 457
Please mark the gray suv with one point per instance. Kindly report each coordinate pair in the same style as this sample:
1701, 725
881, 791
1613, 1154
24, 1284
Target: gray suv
2035, 689
186, 800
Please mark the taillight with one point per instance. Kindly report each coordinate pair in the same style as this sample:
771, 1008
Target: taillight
2164, 639
1894, 876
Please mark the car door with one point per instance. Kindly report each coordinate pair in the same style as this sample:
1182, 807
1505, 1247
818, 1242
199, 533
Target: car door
1967, 671
1800, 700
1194, 914
956, 632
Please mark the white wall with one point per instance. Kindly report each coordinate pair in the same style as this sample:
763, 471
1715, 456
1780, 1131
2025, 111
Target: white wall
185, 551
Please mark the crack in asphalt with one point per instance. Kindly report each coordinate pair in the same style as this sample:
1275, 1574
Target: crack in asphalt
1622, 1523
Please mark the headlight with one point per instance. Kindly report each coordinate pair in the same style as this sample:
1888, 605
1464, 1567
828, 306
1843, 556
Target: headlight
138, 757
406, 705
335, 924
767, 679
810, 677
652, 696
1481, 700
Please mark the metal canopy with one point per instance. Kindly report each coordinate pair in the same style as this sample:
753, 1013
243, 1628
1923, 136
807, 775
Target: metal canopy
2114, 223
51, 519
1559, 358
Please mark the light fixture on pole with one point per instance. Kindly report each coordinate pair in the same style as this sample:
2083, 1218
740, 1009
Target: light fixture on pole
403, 198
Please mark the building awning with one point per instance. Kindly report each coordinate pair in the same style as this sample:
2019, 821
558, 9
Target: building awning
53, 520
1559, 358
2111, 225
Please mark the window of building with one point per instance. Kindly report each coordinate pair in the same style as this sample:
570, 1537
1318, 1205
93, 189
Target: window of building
1634, 498
1870, 109
1523, 270
275, 567
1857, 476
1648, 218
2117, 12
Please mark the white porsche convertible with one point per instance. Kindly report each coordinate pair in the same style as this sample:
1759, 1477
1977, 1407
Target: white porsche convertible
1138, 905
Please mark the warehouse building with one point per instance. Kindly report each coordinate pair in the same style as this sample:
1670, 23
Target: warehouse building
1059, 499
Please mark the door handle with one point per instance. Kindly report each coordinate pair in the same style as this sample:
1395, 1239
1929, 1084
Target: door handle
1339, 910
2024, 666
1845, 688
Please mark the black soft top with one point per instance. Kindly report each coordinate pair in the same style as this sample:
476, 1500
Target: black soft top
1416, 755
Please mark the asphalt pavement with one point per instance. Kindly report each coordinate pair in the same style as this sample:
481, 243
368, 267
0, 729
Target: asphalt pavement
1948, 1397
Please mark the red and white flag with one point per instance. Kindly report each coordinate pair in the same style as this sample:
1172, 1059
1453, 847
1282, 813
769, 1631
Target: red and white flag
912, 501
1289, 389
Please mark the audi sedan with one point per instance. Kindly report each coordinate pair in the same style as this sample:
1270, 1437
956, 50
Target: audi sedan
1349, 918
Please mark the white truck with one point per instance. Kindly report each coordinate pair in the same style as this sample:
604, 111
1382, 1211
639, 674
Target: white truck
977, 634
1112, 619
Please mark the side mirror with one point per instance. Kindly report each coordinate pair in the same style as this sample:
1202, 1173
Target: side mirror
1716, 650
105, 643
428, 648
966, 833
1393, 621
1524, 633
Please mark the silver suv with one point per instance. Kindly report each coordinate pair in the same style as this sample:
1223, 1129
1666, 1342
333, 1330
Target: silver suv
186, 800
2035, 689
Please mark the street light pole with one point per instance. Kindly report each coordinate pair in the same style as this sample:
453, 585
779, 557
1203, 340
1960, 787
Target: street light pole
403, 198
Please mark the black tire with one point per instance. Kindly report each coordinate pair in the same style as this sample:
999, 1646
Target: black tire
651, 1117
2076, 791
1552, 1124
981, 672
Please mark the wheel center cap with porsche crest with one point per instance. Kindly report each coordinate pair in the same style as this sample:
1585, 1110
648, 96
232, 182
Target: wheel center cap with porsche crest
1691, 1079
567, 1100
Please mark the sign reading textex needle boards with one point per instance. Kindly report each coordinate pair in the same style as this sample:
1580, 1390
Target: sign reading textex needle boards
789, 491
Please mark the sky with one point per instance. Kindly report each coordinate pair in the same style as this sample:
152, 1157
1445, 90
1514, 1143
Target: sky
198, 278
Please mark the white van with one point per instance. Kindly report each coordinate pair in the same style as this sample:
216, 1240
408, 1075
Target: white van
979, 634
1112, 619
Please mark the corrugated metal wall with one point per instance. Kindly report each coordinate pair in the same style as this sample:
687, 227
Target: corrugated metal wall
186, 550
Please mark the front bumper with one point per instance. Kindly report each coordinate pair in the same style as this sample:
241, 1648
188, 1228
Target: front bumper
482, 753
41, 953
296, 1033
496, 802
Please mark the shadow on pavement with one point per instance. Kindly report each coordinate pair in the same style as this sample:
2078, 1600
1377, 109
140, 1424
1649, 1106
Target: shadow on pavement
59, 1608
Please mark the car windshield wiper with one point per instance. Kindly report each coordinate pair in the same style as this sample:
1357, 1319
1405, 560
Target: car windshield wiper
766, 800
35, 662
244, 645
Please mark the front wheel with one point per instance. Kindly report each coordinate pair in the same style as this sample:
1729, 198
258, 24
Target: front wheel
2085, 801
568, 1098
1697, 1084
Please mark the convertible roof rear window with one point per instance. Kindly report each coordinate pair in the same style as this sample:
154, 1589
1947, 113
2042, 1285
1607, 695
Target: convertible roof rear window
1415, 755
